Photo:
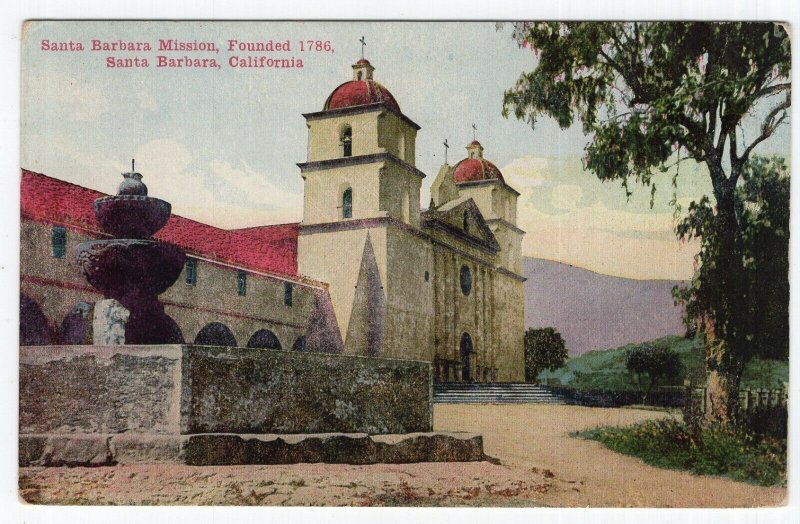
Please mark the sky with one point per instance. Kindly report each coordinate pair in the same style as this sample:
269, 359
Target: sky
222, 144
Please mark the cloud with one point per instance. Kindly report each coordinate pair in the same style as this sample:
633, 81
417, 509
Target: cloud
255, 187
571, 216
527, 172
566, 197
67, 96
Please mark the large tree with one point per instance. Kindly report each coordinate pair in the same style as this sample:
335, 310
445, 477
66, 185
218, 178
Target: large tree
762, 203
651, 94
544, 349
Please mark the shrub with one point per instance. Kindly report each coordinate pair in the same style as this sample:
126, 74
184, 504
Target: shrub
766, 421
703, 450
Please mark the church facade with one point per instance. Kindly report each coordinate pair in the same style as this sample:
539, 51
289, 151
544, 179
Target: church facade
366, 272
441, 284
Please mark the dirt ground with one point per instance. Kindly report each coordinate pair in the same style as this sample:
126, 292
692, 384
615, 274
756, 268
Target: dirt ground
541, 465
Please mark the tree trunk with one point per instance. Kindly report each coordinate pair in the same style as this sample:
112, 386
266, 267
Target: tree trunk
726, 310
723, 376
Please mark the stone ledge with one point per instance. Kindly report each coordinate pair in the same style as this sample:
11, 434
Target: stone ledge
217, 449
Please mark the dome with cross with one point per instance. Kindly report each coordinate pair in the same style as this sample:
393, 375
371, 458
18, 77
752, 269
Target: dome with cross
362, 90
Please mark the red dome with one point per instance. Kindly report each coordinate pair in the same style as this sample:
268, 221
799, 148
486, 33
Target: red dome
475, 169
359, 93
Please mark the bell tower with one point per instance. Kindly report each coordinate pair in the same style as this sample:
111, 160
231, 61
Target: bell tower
361, 155
360, 184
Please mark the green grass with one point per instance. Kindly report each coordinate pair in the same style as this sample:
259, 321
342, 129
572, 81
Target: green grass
729, 452
605, 369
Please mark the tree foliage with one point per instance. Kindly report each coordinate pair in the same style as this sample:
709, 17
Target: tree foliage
657, 362
544, 349
762, 203
644, 90
651, 95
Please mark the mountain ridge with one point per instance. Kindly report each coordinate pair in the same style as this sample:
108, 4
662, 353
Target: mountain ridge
596, 311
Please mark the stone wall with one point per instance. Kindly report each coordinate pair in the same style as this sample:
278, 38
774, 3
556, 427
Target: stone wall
195, 389
57, 286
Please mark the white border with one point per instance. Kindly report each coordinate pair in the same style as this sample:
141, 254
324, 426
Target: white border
13, 14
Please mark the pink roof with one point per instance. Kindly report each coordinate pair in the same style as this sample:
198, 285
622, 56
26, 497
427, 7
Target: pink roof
271, 249
476, 169
359, 93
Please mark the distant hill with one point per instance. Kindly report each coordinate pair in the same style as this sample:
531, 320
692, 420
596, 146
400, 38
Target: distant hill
606, 369
594, 311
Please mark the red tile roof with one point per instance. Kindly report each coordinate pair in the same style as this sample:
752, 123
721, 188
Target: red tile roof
271, 249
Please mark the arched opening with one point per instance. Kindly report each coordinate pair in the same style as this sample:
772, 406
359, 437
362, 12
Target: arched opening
465, 220
264, 339
299, 344
347, 141
75, 328
347, 203
215, 334
33, 327
360, 75
465, 348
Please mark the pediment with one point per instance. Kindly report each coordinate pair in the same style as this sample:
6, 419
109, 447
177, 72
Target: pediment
453, 216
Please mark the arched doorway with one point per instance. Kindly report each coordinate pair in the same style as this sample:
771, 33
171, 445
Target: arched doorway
215, 334
264, 339
466, 357
33, 327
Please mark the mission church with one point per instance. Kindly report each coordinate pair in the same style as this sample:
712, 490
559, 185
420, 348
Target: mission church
441, 284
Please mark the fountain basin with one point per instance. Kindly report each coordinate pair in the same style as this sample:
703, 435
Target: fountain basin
132, 216
121, 267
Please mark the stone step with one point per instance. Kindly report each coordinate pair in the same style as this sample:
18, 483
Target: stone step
215, 449
453, 393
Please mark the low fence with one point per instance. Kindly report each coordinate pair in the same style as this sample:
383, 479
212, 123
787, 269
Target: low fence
669, 396
750, 399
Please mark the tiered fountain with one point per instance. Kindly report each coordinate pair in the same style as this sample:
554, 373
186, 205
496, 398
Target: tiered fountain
131, 269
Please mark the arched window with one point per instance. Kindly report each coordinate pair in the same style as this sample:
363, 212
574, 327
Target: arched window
360, 74
347, 141
347, 203
466, 221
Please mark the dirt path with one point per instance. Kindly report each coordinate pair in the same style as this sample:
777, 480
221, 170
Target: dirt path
531, 436
541, 465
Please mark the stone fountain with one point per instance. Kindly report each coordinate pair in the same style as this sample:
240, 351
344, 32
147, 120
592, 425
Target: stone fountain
131, 269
